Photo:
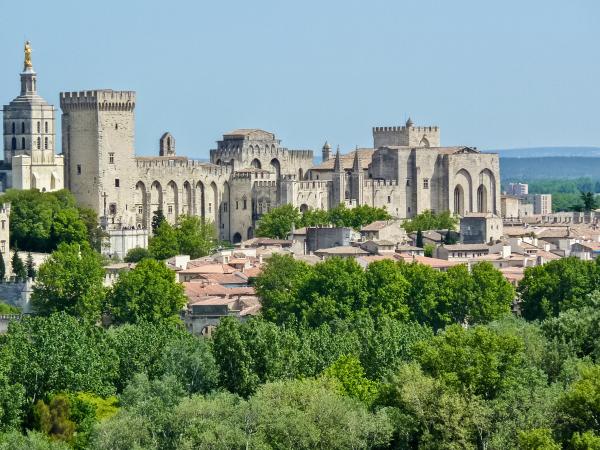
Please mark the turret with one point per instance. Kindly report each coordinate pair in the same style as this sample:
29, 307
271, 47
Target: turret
326, 151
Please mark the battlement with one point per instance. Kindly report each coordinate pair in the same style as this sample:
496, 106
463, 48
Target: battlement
380, 183
404, 128
150, 163
262, 184
312, 185
103, 100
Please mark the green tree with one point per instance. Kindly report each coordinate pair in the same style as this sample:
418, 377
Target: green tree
33, 440
428, 250
559, 285
235, 363
30, 266
164, 243
585, 441
313, 218
356, 217
195, 237
136, 255
428, 220
277, 223
492, 294
18, 267
537, 439
419, 239
5, 308
477, 361
95, 234
60, 354
71, 280
158, 218
54, 419
350, 375
148, 293
387, 290
589, 201
68, 227
278, 287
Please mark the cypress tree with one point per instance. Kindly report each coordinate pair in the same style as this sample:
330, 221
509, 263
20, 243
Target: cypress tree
18, 267
419, 239
31, 272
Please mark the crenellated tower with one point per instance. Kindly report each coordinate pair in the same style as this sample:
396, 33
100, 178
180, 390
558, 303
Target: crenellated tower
98, 129
338, 182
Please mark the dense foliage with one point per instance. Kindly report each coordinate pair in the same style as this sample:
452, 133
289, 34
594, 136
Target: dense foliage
190, 236
278, 222
428, 220
396, 355
40, 221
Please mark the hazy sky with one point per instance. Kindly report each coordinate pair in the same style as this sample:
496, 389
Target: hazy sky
492, 74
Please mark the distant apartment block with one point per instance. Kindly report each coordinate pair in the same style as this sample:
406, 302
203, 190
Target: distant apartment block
518, 189
542, 204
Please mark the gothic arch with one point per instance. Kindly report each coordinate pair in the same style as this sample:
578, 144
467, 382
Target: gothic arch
141, 204
256, 163
482, 199
237, 238
275, 167
187, 198
463, 179
172, 202
459, 200
303, 208
213, 204
200, 200
488, 180
156, 197
424, 142
250, 233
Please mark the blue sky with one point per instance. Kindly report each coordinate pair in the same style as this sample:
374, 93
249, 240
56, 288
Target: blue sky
496, 74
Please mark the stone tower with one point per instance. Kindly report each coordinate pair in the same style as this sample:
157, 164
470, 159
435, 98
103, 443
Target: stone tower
326, 151
167, 145
357, 178
98, 130
338, 182
29, 137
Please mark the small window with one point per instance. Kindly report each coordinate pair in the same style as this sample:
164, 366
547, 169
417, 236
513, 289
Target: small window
224, 206
45, 143
3, 224
245, 203
3, 246
45, 127
209, 207
237, 204
39, 127
14, 144
111, 158
39, 143
78, 169
140, 210
116, 126
112, 209
13, 128
408, 182
117, 182
389, 199
22, 143
170, 209
425, 183
22, 127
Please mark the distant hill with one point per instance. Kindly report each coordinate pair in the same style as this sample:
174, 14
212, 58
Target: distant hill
551, 167
537, 152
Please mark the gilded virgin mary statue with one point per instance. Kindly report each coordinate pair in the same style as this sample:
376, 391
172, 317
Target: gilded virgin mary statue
27, 64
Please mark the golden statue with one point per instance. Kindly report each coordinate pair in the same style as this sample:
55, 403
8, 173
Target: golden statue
27, 64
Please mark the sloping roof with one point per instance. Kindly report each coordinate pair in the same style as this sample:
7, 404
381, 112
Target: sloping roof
377, 225
365, 156
431, 262
248, 133
342, 250
467, 247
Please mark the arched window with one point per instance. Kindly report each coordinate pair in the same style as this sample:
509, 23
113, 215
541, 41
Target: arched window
45, 127
23, 143
45, 143
116, 126
169, 144
39, 143
13, 128
22, 127
39, 127
14, 143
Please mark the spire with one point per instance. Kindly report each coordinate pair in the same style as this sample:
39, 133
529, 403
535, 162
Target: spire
326, 151
409, 123
356, 163
337, 165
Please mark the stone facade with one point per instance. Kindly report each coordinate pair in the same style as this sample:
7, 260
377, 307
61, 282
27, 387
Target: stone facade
29, 141
5, 236
250, 172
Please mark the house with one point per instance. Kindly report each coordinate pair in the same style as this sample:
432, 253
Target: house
586, 250
461, 251
342, 251
389, 230
378, 247
410, 250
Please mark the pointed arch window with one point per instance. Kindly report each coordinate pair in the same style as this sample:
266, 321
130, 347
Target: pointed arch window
22, 127
14, 128
14, 143
22, 143
46, 127
45, 143
39, 127
39, 143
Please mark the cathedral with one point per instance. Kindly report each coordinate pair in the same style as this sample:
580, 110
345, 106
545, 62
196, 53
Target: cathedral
407, 170
30, 161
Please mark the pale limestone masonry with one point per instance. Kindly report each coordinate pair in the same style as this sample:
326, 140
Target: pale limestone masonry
29, 141
249, 172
